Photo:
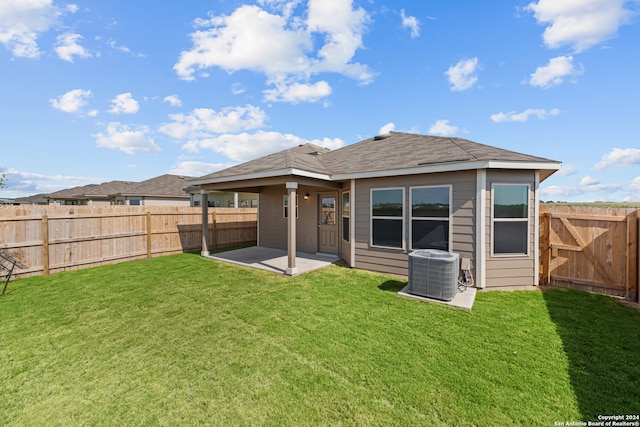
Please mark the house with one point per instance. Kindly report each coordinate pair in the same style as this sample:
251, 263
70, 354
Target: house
375, 201
163, 190
91, 194
223, 199
36, 199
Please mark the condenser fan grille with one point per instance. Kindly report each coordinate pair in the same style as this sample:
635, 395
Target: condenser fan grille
434, 273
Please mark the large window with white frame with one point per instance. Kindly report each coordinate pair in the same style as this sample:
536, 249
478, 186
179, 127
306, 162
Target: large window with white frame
510, 219
430, 217
387, 217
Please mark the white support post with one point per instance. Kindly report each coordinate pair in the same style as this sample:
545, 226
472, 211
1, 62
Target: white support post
291, 232
481, 228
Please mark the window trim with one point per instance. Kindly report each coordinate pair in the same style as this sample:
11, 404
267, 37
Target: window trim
346, 213
395, 218
494, 220
449, 218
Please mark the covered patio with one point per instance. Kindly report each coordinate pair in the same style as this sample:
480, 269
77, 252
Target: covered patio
275, 260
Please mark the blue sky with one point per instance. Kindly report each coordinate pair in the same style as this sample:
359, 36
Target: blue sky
125, 90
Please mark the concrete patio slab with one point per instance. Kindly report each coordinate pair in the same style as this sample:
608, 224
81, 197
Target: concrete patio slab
464, 299
275, 260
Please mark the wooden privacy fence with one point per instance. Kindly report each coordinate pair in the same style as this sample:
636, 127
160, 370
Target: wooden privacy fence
49, 239
592, 249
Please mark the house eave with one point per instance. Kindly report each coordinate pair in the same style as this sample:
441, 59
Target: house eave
549, 166
262, 174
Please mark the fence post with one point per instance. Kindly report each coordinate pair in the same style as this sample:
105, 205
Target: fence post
148, 234
45, 244
214, 233
632, 257
544, 248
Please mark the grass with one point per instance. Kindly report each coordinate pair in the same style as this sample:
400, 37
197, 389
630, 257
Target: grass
182, 340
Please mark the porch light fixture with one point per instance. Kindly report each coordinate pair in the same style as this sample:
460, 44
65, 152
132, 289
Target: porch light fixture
306, 196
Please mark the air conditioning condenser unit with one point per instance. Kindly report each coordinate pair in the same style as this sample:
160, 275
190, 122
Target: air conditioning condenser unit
434, 273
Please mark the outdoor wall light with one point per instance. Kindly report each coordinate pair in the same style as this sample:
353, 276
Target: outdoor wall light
306, 196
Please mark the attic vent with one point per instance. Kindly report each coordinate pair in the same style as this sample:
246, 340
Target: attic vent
315, 153
383, 136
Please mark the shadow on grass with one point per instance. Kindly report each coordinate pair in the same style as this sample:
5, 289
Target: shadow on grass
392, 286
601, 339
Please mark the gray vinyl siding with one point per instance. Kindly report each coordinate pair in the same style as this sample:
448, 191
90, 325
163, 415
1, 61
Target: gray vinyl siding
518, 271
273, 227
273, 224
395, 261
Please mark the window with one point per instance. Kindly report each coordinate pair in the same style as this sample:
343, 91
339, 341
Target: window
430, 217
285, 205
387, 218
510, 217
346, 215
328, 216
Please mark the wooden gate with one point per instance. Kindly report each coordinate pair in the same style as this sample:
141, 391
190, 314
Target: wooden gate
593, 249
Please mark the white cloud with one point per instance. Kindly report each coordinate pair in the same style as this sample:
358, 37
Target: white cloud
298, 92
124, 103
245, 146
619, 157
579, 23
560, 191
250, 38
31, 182
279, 45
205, 122
589, 180
131, 141
173, 100
635, 186
237, 89
387, 128
555, 72
462, 75
442, 127
193, 168
112, 43
67, 47
512, 116
72, 101
22, 22
412, 23
566, 170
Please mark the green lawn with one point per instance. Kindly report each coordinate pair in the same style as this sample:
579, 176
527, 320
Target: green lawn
182, 340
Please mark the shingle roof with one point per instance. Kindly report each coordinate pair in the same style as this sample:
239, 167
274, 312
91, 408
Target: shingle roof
40, 198
406, 150
391, 152
90, 190
164, 185
306, 157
